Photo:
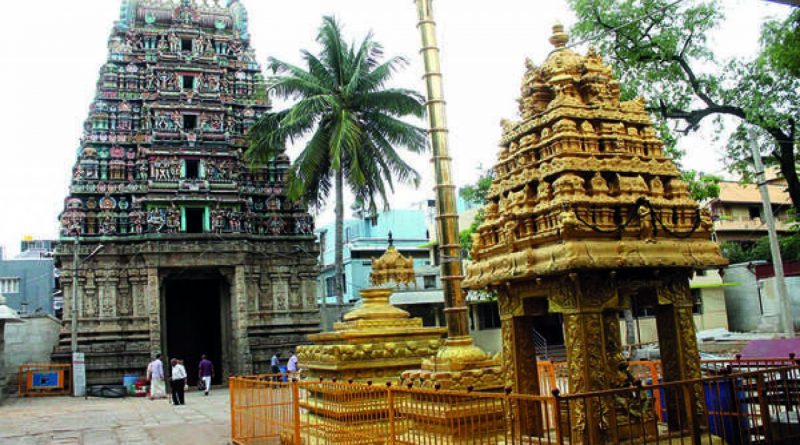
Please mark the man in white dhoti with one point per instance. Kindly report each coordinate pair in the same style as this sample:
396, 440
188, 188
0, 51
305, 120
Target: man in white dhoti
155, 375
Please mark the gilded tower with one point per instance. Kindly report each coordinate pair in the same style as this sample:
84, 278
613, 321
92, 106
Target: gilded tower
586, 214
202, 254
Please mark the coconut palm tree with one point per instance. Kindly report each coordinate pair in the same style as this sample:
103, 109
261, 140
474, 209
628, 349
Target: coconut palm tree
351, 122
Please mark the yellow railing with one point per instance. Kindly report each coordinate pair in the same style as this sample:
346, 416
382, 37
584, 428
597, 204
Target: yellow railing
740, 408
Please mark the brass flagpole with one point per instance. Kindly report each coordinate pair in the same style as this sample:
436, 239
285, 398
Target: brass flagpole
459, 349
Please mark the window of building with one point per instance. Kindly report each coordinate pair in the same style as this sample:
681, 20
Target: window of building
488, 316
189, 121
429, 281
188, 82
755, 212
186, 45
192, 169
195, 220
9, 285
330, 287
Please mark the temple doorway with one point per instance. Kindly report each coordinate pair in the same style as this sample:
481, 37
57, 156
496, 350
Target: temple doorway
196, 321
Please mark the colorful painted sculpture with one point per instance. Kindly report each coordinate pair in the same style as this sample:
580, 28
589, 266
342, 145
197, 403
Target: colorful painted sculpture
166, 132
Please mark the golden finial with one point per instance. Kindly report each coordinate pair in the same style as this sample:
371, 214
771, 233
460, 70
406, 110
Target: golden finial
559, 39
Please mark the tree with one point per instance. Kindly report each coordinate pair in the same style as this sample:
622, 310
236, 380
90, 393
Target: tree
701, 186
352, 120
476, 194
660, 50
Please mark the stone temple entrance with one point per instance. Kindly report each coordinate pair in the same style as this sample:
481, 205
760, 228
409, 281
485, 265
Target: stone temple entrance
197, 320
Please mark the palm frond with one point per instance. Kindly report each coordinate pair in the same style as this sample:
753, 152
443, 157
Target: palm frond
395, 102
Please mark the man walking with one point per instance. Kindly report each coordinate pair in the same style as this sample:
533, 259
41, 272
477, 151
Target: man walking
155, 375
206, 371
275, 366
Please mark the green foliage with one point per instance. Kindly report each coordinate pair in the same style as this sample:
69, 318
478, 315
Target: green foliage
760, 251
661, 51
351, 119
477, 193
466, 235
781, 42
702, 187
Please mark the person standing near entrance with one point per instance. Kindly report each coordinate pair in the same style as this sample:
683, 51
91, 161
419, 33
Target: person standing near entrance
178, 382
155, 375
275, 366
205, 372
291, 366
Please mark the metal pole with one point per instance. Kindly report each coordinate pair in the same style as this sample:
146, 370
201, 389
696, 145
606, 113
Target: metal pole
774, 245
447, 215
74, 303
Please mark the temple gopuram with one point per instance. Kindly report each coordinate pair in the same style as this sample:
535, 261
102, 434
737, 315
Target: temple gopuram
197, 252
587, 214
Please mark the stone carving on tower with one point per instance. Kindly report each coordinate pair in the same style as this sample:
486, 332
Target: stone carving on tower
161, 182
587, 213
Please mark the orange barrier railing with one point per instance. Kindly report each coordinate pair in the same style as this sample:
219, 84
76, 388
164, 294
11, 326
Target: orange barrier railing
745, 408
44, 380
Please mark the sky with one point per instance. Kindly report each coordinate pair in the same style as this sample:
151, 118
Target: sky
51, 52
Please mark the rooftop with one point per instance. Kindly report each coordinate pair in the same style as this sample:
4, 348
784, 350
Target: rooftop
734, 192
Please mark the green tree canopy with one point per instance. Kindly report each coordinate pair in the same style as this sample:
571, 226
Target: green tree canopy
352, 121
660, 50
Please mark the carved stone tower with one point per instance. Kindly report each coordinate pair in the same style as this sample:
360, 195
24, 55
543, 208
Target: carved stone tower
586, 214
202, 253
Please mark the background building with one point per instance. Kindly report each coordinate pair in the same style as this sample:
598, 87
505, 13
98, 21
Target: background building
366, 238
30, 280
738, 211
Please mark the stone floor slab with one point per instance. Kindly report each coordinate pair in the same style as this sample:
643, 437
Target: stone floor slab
74, 421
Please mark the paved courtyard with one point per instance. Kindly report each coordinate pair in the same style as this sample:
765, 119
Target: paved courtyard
69, 421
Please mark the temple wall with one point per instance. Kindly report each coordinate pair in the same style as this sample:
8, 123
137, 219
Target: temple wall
271, 305
30, 342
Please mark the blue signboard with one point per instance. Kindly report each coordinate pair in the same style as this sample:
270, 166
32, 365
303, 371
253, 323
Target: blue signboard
45, 380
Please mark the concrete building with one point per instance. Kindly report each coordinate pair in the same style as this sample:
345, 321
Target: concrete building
737, 213
29, 281
367, 238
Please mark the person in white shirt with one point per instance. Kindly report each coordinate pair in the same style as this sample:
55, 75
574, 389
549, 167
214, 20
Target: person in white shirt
155, 375
291, 366
178, 382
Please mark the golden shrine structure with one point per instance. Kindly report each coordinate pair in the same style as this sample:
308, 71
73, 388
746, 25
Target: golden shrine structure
375, 343
586, 214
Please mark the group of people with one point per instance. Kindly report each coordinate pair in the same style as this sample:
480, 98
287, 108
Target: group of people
177, 378
205, 371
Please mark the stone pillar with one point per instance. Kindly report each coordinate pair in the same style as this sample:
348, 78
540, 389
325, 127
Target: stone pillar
243, 361
680, 357
153, 306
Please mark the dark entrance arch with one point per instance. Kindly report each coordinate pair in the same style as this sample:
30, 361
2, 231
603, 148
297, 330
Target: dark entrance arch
196, 320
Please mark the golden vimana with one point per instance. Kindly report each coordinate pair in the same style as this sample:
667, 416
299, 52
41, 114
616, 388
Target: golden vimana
582, 182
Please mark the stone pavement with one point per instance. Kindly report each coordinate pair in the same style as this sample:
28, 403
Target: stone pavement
130, 421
